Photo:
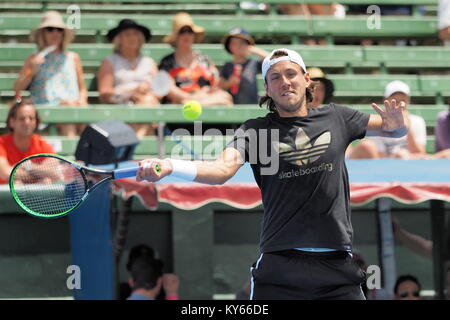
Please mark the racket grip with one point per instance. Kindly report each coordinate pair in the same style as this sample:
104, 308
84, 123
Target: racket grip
131, 172
125, 173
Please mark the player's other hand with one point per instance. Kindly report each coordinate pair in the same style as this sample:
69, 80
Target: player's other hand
148, 169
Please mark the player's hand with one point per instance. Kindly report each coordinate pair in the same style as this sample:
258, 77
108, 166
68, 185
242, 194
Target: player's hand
394, 117
147, 170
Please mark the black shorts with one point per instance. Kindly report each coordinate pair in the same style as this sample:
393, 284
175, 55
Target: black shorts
300, 275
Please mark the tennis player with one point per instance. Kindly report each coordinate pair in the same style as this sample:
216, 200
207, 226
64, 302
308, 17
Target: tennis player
306, 238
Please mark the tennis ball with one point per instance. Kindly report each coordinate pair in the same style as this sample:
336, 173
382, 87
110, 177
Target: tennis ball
192, 110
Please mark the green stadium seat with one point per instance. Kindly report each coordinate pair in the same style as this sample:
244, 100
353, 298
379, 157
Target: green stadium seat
357, 26
343, 57
420, 57
346, 86
436, 86
381, 2
258, 25
12, 56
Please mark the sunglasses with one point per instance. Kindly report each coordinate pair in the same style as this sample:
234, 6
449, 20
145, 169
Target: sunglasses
51, 29
185, 30
409, 294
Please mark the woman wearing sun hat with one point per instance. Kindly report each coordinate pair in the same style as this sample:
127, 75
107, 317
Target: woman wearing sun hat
323, 88
195, 75
125, 76
54, 75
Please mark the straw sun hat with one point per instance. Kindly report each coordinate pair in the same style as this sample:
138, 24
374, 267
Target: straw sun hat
55, 20
181, 20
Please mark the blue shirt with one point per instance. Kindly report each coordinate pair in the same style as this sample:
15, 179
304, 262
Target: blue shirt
138, 296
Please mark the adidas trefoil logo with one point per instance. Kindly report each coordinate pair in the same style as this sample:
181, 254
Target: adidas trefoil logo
304, 152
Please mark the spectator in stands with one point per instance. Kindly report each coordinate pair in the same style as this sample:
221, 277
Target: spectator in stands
195, 75
420, 246
308, 10
444, 21
411, 146
22, 141
323, 88
407, 287
442, 131
146, 279
238, 76
54, 76
125, 76
170, 281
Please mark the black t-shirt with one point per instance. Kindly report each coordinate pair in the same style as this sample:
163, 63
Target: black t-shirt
306, 197
248, 89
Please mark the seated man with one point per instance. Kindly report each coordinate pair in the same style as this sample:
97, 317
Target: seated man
170, 281
22, 122
411, 146
147, 280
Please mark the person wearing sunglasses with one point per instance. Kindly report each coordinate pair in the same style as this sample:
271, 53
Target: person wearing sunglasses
195, 76
407, 287
54, 75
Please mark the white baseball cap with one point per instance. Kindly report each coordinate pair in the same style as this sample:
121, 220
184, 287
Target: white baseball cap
396, 86
291, 56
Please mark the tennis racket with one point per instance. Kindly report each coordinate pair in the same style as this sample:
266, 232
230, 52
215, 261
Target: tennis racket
50, 186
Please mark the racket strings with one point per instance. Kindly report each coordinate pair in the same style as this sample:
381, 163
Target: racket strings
50, 187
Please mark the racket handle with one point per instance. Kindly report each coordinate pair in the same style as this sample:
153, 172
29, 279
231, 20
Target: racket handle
131, 172
125, 173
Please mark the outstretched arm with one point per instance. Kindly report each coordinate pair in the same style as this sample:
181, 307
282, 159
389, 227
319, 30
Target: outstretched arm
209, 172
412, 241
392, 122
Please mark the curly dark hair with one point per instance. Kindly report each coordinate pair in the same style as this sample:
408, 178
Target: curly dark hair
268, 101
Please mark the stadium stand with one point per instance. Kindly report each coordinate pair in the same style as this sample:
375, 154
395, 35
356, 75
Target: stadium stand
290, 27
339, 58
359, 73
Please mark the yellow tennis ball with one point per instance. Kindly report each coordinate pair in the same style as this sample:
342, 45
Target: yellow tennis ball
192, 110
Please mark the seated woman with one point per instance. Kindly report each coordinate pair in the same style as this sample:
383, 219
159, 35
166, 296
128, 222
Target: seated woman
195, 76
54, 76
125, 77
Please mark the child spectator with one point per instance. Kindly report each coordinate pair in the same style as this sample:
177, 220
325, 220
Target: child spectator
238, 76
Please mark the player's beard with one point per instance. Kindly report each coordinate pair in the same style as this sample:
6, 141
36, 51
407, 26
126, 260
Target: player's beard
291, 108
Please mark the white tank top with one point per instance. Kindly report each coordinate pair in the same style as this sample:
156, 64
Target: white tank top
125, 77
